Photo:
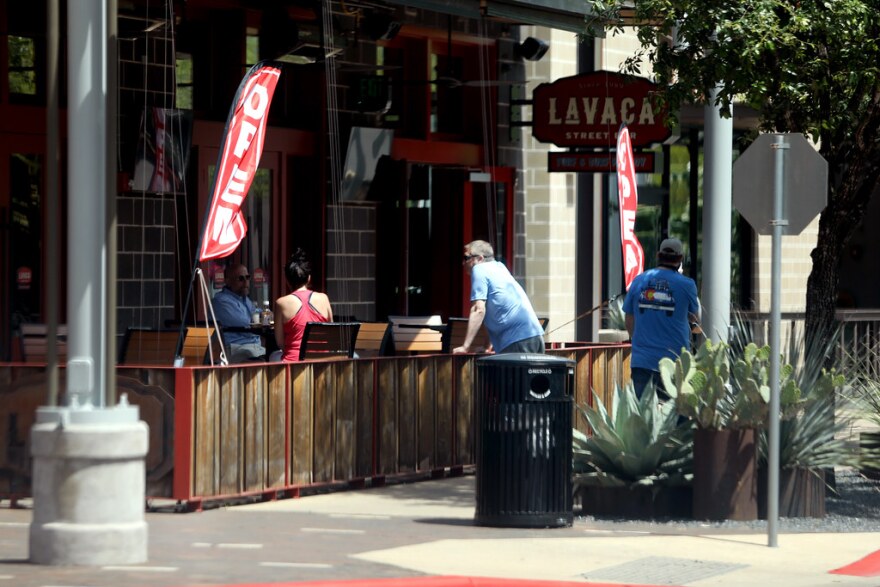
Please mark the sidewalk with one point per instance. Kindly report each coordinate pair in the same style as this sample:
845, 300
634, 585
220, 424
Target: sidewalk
421, 530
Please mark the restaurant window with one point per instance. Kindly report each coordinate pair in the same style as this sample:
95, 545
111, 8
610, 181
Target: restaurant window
252, 46
26, 231
184, 81
254, 251
22, 69
406, 113
447, 98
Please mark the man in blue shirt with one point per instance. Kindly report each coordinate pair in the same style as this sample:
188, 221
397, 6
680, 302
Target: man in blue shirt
234, 310
660, 307
499, 301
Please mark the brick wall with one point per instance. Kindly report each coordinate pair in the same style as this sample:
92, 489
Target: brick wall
549, 203
795, 269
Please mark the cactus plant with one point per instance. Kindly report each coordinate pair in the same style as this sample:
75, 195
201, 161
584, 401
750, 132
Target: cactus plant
716, 395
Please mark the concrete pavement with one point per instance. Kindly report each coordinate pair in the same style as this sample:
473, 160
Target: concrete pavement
417, 530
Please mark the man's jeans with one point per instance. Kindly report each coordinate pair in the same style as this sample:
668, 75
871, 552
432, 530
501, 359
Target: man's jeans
645, 378
533, 345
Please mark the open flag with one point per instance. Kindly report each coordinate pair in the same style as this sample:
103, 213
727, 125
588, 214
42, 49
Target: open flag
633, 254
239, 157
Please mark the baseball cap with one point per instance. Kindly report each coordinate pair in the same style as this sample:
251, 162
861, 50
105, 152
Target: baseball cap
671, 246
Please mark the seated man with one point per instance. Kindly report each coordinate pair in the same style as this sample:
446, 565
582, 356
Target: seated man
234, 309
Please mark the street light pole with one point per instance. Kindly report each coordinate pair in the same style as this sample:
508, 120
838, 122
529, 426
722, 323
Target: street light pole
88, 458
717, 198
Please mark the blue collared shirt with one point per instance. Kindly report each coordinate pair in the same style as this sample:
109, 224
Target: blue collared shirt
234, 310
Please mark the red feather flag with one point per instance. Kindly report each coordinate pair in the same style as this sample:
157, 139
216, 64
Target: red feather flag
633, 254
239, 157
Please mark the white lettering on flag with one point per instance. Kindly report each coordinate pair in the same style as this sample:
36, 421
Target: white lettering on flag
633, 255
241, 149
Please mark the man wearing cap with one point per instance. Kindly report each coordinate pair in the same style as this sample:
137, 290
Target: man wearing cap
660, 307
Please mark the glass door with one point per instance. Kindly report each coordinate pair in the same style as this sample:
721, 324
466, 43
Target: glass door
488, 216
22, 226
423, 230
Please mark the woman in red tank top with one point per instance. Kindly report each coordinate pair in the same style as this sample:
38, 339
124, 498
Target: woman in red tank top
300, 306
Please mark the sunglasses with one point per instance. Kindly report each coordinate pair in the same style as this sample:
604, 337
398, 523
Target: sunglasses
467, 258
244, 277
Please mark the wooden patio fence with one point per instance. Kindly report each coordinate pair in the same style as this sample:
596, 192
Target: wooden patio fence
272, 430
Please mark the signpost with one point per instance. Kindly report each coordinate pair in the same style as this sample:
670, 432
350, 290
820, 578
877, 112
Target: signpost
805, 181
780, 183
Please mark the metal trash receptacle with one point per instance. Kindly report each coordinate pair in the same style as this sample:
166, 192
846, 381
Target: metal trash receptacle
524, 418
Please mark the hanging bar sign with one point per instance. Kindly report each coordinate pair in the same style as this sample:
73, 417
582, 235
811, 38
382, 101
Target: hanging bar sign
586, 110
598, 162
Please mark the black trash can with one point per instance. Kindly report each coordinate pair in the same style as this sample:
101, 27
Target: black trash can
524, 412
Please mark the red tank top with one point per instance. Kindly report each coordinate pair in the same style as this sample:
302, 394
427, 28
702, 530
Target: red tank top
296, 326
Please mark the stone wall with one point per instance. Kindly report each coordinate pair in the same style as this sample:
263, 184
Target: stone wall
351, 260
146, 267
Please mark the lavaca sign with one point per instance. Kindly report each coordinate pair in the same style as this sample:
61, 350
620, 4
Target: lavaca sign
586, 111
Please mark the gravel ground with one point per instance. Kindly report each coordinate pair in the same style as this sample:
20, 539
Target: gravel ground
854, 508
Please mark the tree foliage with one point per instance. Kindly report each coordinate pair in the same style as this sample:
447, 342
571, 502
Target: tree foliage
807, 66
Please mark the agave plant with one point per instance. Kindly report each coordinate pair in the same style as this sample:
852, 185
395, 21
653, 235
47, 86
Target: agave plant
813, 428
641, 442
867, 397
616, 316
864, 393
815, 439
865, 390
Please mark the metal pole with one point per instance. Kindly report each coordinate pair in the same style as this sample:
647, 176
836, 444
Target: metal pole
52, 167
778, 224
111, 240
717, 199
86, 222
693, 200
86, 445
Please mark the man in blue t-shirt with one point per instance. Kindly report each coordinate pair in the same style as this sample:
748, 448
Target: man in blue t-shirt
234, 309
500, 302
661, 306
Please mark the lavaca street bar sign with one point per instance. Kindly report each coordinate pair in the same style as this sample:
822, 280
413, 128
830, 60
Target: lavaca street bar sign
586, 110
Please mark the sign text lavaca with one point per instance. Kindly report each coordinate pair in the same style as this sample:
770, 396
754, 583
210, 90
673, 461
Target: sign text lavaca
586, 110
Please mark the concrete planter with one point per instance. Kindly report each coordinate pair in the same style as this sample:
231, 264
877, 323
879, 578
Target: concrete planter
612, 335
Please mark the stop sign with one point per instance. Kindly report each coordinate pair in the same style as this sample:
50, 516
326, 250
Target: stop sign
804, 182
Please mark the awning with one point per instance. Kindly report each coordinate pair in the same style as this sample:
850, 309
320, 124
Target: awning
566, 15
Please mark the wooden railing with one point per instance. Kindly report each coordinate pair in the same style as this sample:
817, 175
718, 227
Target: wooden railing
272, 429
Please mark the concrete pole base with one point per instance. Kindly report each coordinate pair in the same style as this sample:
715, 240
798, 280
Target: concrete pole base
89, 490
65, 543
